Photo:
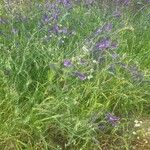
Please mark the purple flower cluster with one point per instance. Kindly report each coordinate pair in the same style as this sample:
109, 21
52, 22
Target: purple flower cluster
106, 43
46, 18
57, 29
113, 120
123, 2
66, 3
117, 14
103, 44
67, 63
80, 75
52, 12
107, 27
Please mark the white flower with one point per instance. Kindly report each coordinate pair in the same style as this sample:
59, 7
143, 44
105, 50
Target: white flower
136, 121
92, 70
95, 62
90, 77
134, 132
137, 125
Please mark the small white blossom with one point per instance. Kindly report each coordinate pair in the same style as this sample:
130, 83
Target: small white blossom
134, 132
90, 77
92, 70
94, 61
137, 125
136, 121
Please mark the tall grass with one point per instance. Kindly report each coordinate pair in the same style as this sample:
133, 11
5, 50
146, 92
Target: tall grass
46, 105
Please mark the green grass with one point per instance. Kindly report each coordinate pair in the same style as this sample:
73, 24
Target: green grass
44, 107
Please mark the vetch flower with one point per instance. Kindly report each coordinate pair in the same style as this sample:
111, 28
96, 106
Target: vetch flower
46, 18
114, 45
107, 27
104, 44
123, 2
117, 14
113, 120
80, 75
54, 16
57, 29
114, 55
66, 3
63, 30
67, 63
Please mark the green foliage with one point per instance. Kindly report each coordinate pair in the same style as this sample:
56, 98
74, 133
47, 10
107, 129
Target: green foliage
43, 106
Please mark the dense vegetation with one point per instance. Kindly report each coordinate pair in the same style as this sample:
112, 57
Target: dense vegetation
75, 75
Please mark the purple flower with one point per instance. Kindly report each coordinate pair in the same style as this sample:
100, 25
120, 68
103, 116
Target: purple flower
114, 55
64, 30
67, 63
99, 30
126, 2
46, 18
117, 14
57, 29
113, 120
107, 27
114, 45
80, 75
123, 2
55, 16
66, 3
104, 44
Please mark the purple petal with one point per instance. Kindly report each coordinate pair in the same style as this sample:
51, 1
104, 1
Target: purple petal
114, 45
67, 63
107, 27
46, 18
117, 14
56, 28
104, 44
81, 76
112, 119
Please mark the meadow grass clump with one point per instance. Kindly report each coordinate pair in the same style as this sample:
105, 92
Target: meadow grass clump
74, 75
